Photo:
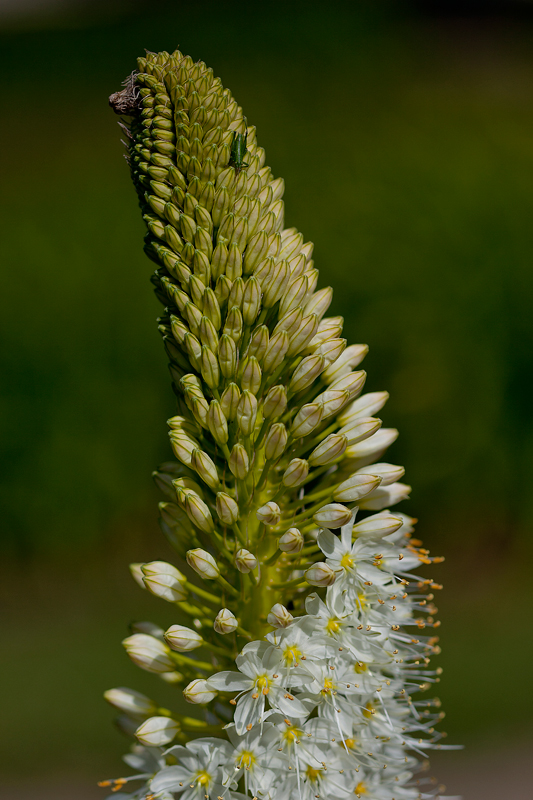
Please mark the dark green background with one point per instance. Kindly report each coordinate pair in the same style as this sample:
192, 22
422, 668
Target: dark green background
406, 143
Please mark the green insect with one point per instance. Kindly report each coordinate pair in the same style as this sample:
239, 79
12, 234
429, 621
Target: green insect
238, 152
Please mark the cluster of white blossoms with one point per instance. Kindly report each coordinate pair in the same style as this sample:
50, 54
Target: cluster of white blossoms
303, 631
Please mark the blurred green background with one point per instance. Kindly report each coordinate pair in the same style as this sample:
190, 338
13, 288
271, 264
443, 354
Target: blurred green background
405, 135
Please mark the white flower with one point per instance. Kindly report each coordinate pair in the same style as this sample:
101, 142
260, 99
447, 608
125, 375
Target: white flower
199, 772
298, 647
262, 677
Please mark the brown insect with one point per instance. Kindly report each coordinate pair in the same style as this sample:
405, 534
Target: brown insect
127, 101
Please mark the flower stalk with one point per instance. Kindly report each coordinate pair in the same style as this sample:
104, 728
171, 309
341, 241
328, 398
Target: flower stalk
275, 494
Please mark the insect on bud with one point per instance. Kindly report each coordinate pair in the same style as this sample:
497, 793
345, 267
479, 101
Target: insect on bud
225, 621
275, 402
269, 514
320, 574
131, 702
148, 653
245, 561
203, 563
227, 509
328, 450
183, 639
279, 617
333, 516
292, 541
165, 581
197, 692
239, 463
157, 731
276, 441
296, 473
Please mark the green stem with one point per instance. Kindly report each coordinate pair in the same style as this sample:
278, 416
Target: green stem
211, 598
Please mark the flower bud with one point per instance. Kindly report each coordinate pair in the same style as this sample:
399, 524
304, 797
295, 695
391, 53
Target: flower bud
209, 367
386, 496
247, 413
251, 301
276, 441
148, 627
328, 450
353, 382
269, 514
258, 342
157, 731
365, 406
211, 308
236, 294
306, 332
198, 512
227, 509
292, 541
276, 351
245, 561
229, 401
217, 423
355, 487
208, 334
275, 402
350, 358
234, 262
137, 574
378, 525
295, 294
165, 581
251, 375
296, 473
306, 372
227, 356
372, 448
200, 408
233, 324
307, 420
360, 429
203, 563
290, 322
222, 289
197, 692
255, 252
239, 463
225, 621
319, 302
389, 473
332, 401
279, 617
183, 639
205, 468
332, 515
182, 446
274, 285
148, 653
131, 702
320, 574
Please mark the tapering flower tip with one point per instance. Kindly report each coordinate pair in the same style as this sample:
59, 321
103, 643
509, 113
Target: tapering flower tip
131, 702
386, 496
378, 525
198, 512
197, 692
137, 574
279, 617
275, 402
203, 563
344, 364
276, 441
227, 509
296, 473
292, 541
360, 428
239, 462
245, 561
328, 450
356, 487
307, 419
149, 653
389, 473
269, 514
225, 621
183, 639
148, 627
365, 406
332, 515
164, 580
157, 731
205, 468
320, 574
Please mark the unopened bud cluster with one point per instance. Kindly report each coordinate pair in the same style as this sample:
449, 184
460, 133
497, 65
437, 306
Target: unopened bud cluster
290, 565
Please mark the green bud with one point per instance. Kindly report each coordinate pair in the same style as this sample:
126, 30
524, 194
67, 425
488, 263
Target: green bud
234, 262
233, 324
227, 356
239, 463
179, 330
177, 178
174, 239
251, 375
221, 205
201, 266
222, 289
230, 400
290, 322
276, 441
194, 350
219, 259
306, 373
328, 450
199, 408
300, 340
226, 227
307, 420
227, 509
209, 367
319, 302
251, 302
207, 196
236, 294
172, 213
208, 334
296, 473
203, 218
193, 315
205, 468
274, 285
203, 563
247, 413
182, 447
188, 227
211, 308
203, 241
255, 252
258, 343
217, 423
276, 351
198, 512
294, 296
275, 402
